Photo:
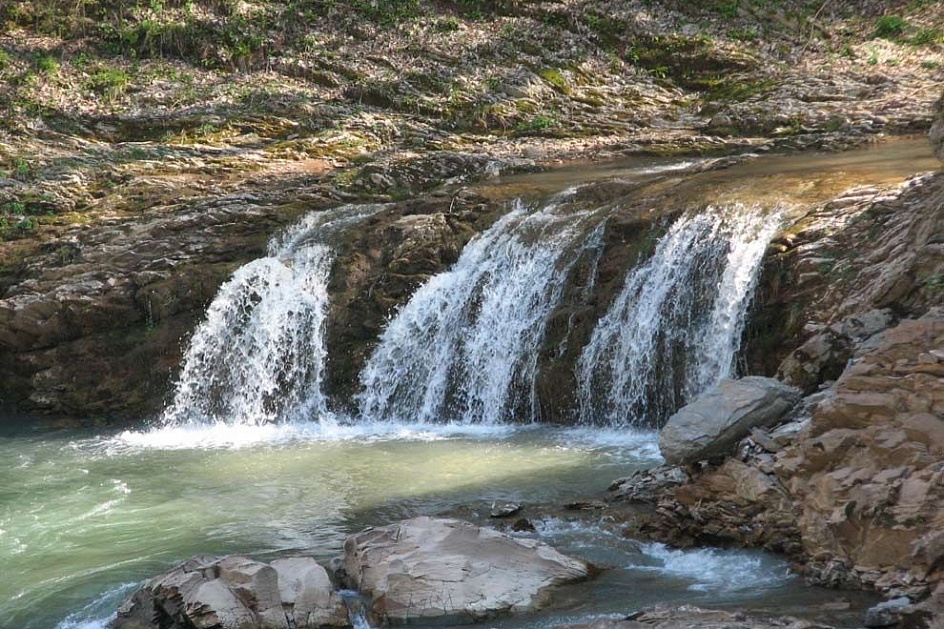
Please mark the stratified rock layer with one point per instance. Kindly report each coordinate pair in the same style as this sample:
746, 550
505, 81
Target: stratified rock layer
449, 569
236, 593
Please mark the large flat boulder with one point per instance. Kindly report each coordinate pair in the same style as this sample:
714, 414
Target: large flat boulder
236, 593
712, 425
453, 570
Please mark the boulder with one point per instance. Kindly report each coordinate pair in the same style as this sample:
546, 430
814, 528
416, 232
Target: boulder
713, 424
235, 593
448, 569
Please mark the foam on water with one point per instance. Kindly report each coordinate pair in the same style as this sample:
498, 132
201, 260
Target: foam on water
226, 436
716, 570
98, 613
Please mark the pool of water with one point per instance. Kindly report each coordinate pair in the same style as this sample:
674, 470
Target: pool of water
85, 517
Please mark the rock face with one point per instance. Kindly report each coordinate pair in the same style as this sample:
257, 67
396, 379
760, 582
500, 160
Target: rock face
236, 593
448, 569
867, 473
94, 325
936, 134
712, 424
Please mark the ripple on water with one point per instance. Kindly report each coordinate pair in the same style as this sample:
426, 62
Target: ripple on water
100, 611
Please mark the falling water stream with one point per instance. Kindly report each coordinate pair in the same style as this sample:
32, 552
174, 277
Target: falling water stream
248, 459
464, 349
675, 327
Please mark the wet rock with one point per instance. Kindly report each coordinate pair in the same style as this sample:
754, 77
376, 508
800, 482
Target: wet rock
691, 617
648, 486
712, 425
887, 613
504, 510
449, 569
235, 593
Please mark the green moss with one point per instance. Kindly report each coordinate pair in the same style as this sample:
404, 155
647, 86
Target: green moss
557, 79
729, 89
928, 36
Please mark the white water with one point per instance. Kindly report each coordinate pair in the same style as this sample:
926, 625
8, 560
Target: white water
675, 327
259, 355
464, 349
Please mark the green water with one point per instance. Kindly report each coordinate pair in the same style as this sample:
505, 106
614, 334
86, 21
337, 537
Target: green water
82, 514
84, 517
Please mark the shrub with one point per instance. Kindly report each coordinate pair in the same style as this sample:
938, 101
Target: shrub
890, 26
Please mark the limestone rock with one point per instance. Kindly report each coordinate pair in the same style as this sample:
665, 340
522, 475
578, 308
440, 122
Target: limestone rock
235, 593
712, 424
449, 569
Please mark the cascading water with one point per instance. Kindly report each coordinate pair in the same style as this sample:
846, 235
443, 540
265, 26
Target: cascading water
675, 327
464, 349
259, 355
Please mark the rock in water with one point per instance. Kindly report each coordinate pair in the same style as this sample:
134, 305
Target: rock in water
236, 593
429, 567
719, 418
887, 613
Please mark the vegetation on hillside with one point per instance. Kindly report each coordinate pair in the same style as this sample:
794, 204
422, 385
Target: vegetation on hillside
130, 88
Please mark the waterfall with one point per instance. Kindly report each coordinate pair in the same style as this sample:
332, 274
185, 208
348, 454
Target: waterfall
675, 327
259, 354
464, 349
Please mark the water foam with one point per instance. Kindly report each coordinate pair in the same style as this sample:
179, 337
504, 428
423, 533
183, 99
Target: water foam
98, 613
206, 436
716, 570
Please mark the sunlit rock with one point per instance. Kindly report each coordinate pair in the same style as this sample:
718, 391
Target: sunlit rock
712, 424
439, 568
236, 593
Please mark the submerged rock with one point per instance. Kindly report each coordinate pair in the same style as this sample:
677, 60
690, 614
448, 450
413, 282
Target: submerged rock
235, 593
713, 424
441, 568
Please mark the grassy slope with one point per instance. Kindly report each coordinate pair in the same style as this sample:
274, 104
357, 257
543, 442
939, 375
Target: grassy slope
107, 103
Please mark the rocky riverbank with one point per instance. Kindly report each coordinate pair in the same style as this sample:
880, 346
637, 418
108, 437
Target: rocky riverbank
850, 486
